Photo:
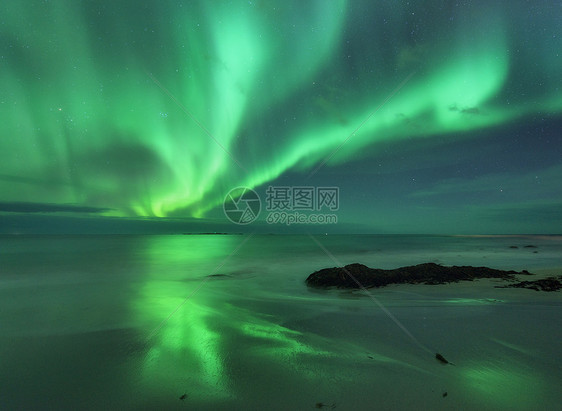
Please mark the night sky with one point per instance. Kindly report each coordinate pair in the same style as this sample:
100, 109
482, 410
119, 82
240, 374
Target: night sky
140, 116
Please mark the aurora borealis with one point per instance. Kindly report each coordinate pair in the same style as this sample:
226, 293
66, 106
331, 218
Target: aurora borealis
447, 115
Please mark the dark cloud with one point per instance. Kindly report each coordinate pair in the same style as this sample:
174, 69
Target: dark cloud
471, 110
33, 181
129, 162
465, 110
23, 207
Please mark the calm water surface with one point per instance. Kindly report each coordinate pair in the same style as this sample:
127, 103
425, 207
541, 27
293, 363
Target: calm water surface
129, 322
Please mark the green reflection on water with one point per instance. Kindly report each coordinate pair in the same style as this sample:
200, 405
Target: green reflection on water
199, 323
220, 335
182, 345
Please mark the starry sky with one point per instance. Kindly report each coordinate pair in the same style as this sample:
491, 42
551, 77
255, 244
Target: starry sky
140, 116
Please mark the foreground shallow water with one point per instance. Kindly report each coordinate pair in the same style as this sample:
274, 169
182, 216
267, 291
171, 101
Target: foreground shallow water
226, 322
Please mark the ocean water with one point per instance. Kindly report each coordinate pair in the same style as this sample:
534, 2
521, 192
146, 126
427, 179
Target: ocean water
226, 322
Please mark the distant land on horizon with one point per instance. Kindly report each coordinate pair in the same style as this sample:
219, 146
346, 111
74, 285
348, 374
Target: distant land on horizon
50, 223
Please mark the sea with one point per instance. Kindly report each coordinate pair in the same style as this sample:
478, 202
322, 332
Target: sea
226, 322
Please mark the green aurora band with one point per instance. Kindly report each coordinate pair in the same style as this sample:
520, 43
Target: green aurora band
134, 108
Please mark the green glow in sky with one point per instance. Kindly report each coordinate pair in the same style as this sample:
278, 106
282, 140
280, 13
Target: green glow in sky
160, 110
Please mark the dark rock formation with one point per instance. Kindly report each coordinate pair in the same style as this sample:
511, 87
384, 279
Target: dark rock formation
546, 284
358, 275
218, 275
442, 359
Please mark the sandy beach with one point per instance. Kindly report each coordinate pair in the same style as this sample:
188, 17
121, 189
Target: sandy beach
150, 330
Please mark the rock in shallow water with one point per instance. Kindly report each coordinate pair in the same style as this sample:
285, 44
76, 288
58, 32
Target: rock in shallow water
545, 284
359, 275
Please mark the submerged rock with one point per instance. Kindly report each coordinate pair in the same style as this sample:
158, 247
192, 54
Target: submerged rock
546, 284
322, 405
360, 276
442, 359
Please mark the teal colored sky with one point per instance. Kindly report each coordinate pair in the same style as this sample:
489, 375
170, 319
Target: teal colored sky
140, 116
